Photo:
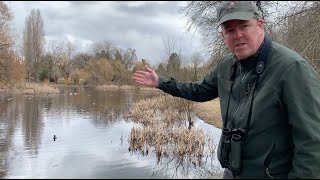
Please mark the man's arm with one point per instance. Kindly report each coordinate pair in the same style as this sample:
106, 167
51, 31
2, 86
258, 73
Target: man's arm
301, 96
204, 90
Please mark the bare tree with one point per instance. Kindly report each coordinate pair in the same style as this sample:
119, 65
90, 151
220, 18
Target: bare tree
170, 46
57, 54
80, 60
33, 41
172, 55
128, 58
196, 60
65, 64
104, 49
5, 18
202, 15
174, 66
298, 28
303, 33
118, 54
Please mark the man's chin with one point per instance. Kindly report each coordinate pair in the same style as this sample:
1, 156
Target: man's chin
242, 56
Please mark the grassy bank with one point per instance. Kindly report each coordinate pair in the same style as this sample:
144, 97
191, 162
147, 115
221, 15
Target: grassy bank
32, 88
209, 112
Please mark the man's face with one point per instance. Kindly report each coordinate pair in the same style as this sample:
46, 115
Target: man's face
243, 37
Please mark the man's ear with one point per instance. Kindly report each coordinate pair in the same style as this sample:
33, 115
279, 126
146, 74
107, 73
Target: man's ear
219, 29
221, 34
261, 26
261, 23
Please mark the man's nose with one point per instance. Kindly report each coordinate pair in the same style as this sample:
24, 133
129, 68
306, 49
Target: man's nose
237, 34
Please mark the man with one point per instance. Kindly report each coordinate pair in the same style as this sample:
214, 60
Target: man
269, 99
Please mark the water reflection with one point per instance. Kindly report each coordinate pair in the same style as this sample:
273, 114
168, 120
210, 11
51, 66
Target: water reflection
176, 164
91, 136
9, 120
32, 124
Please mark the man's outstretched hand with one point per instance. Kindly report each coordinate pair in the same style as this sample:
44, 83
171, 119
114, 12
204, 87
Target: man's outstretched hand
147, 78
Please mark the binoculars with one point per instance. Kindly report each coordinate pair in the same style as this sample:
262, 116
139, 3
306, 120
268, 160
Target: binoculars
230, 149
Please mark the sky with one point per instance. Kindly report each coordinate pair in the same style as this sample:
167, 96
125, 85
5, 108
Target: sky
141, 25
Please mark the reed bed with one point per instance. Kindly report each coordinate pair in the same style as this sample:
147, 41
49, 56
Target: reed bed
164, 129
35, 88
141, 139
189, 142
161, 108
107, 87
179, 142
127, 87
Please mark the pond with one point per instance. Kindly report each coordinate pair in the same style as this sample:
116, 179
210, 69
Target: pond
80, 133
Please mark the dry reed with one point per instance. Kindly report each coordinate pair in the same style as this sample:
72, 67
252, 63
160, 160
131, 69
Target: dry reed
127, 87
179, 142
160, 108
34, 88
163, 128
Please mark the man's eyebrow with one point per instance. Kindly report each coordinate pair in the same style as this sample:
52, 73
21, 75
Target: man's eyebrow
226, 26
240, 22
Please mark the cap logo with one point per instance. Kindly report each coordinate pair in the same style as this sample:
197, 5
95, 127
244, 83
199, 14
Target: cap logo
231, 4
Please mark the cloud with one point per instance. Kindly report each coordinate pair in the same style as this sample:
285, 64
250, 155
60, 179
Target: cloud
139, 24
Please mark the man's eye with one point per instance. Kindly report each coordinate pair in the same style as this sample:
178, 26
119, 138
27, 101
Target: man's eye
229, 30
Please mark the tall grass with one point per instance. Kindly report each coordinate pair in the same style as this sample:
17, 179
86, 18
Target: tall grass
126, 87
209, 111
35, 88
165, 127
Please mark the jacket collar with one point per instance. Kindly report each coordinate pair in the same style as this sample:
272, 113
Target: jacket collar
250, 61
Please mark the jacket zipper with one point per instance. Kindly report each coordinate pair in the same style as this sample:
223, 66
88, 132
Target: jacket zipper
233, 116
247, 90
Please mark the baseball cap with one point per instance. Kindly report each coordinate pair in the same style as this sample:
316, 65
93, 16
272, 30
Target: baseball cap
242, 10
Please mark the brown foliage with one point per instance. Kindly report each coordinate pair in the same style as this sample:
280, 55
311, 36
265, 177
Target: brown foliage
100, 71
5, 33
11, 66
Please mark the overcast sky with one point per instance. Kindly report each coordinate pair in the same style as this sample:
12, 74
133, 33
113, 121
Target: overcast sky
139, 25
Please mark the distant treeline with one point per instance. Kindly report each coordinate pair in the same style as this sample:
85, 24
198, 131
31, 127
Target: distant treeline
296, 27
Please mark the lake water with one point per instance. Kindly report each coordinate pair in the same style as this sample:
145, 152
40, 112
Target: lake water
91, 137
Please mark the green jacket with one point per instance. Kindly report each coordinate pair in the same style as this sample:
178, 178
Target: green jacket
285, 113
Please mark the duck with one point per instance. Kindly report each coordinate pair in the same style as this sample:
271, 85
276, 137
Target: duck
54, 137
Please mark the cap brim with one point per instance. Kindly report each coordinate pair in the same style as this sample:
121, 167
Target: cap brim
236, 15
